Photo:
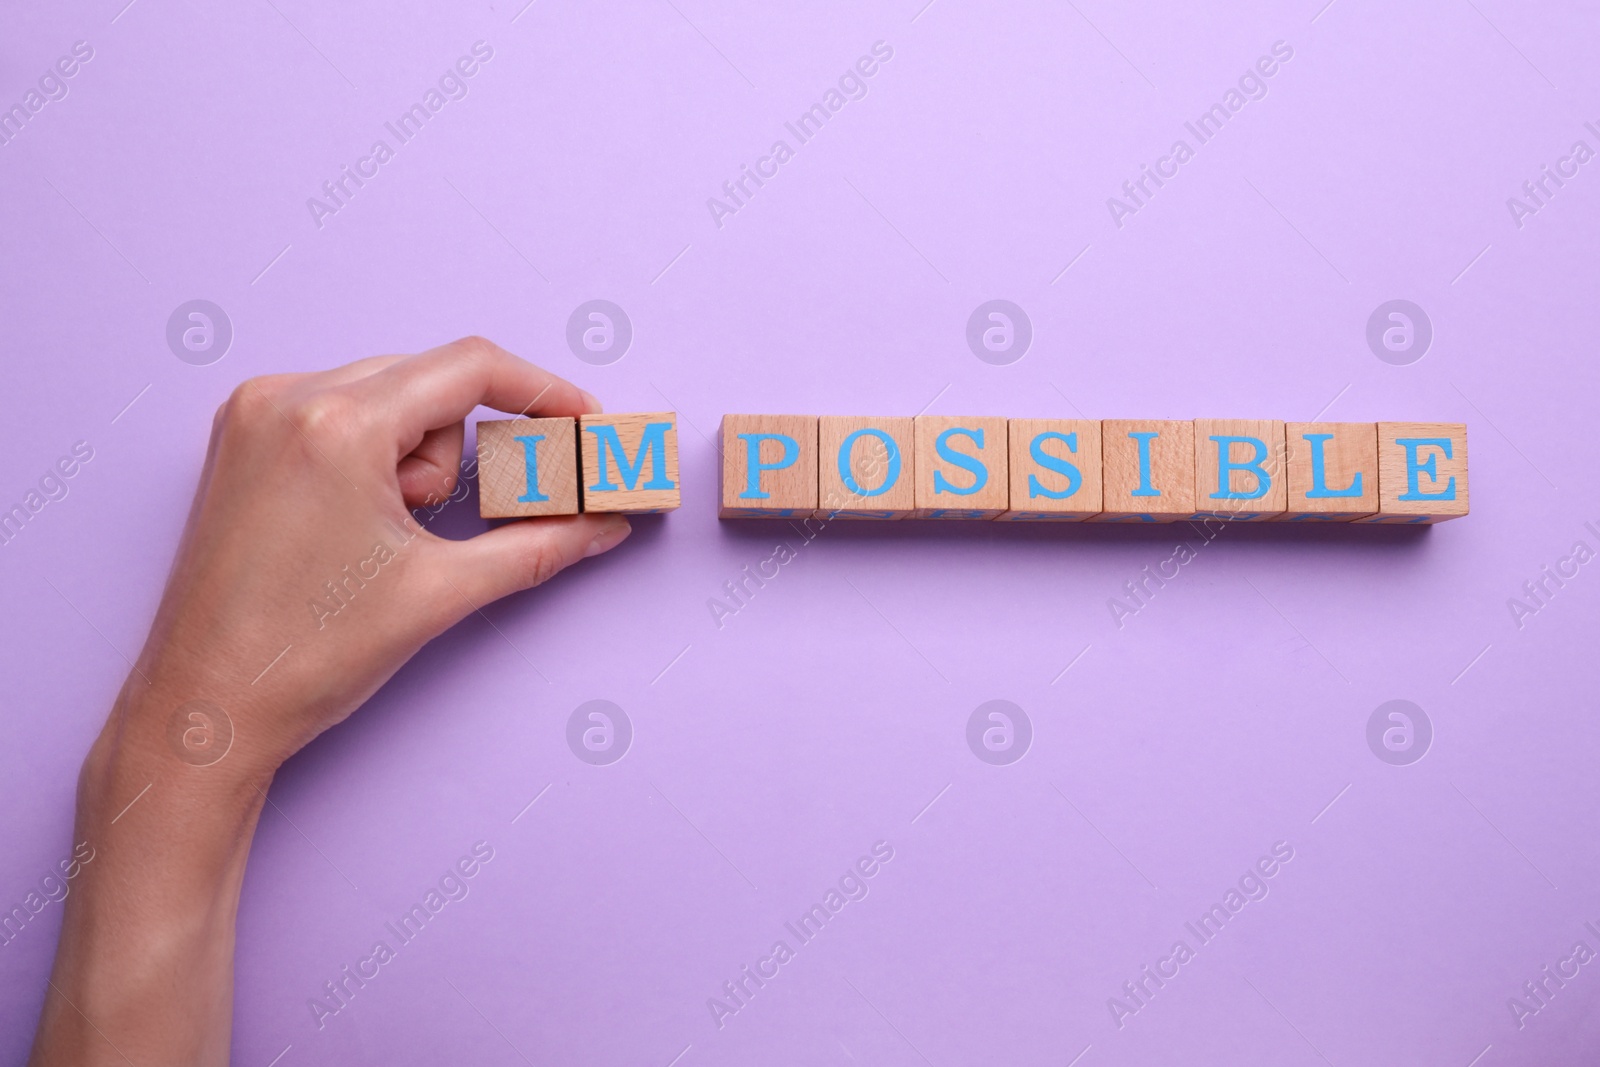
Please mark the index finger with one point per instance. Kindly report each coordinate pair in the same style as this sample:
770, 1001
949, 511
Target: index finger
442, 385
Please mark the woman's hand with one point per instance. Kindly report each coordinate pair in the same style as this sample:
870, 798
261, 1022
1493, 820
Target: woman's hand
300, 586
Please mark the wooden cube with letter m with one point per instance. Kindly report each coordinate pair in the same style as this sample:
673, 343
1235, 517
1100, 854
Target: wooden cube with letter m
629, 462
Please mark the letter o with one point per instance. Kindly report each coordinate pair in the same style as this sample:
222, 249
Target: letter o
891, 476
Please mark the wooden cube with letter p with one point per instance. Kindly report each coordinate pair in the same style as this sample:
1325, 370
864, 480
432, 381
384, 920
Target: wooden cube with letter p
769, 466
864, 467
1147, 470
961, 471
1422, 472
1055, 470
527, 467
1239, 469
629, 462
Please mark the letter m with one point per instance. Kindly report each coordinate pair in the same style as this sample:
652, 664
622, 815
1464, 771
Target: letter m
652, 445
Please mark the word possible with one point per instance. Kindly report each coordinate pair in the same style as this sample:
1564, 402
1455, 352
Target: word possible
852, 885
618, 463
1209, 123
52, 87
1075, 470
340, 591
1251, 888
453, 886
1543, 589
1538, 992
852, 86
1538, 190
52, 888
52, 486
339, 191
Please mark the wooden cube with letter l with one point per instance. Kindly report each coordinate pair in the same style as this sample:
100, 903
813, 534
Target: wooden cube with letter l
629, 462
527, 468
1147, 470
1333, 471
865, 467
1239, 469
1055, 470
961, 467
769, 466
1422, 472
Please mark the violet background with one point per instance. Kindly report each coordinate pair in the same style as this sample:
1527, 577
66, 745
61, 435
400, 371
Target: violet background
829, 713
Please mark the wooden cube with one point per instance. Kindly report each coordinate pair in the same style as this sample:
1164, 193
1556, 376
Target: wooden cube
527, 467
961, 467
1055, 470
629, 462
769, 466
1422, 472
1147, 470
1239, 469
865, 467
1333, 471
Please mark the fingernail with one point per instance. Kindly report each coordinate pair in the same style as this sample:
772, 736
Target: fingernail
591, 405
609, 538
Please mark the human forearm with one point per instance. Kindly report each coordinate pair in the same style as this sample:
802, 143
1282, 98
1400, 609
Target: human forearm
144, 969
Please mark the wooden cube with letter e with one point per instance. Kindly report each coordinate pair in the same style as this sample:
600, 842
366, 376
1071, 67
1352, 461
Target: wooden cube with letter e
1422, 472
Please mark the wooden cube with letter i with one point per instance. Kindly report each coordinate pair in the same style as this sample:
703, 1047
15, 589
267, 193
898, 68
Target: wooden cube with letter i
629, 462
1147, 470
769, 466
527, 467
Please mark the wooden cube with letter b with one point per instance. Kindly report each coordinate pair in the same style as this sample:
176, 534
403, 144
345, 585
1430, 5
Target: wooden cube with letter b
629, 462
1055, 470
527, 467
1239, 469
961, 467
864, 467
1422, 472
769, 466
1147, 470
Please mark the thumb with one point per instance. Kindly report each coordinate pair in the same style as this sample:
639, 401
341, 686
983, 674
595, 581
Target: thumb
520, 555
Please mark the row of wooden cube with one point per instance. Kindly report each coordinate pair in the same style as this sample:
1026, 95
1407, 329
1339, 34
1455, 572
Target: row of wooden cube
1073, 470
619, 463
